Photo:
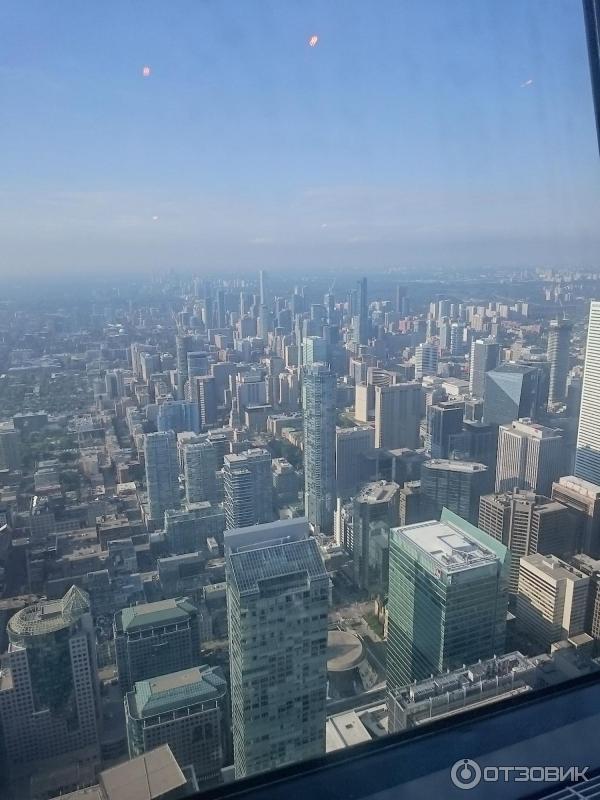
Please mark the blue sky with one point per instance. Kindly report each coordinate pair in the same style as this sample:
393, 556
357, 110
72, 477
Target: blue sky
413, 135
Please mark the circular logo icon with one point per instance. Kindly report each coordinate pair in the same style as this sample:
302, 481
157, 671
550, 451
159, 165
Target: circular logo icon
465, 774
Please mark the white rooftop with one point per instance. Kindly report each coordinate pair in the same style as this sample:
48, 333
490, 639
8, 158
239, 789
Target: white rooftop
447, 544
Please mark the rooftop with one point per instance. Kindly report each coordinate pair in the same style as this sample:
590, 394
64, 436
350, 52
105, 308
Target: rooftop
49, 616
553, 567
377, 492
175, 690
162, 612
449, 546
250, 568
454, 466
146, 777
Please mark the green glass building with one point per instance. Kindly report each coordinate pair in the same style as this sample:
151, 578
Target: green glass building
448, 598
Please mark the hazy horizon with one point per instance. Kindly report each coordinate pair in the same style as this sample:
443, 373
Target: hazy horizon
410, 136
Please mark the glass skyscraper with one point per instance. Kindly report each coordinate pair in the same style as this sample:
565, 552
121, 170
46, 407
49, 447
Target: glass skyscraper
511, 392
448, 598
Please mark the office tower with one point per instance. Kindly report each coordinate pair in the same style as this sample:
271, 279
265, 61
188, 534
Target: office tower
183, 345
587, 459
197, 365
443, 421
448, 598
115, 384
155, 638
457, 340
206, 392
178, 416
314, 349
10, 449
409, 506
361, 319
426, 360
511, 392
200, 468
528, 523
350, 444
248, 486
397, 415
187, 530
319, 406
485, 356
583, 498
262, 287
559, 341
162, 473
402, 302
530, 456
49, 683
476, 442
221, 313
551, 599
277, 604
186, 710
374, 513
456, 485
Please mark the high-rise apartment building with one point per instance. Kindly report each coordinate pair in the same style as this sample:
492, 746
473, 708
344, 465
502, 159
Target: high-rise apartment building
187, 710
319, 406
511, 392
200, 470
485, 356
448, 598
49, 691
178, 416
527, 523
397, 415
205, 390
456, 485
248, 487
559, 341
350, 444
583, 498
278, 598
530, 456
314, 350
155, 638
551, 600
587, 459
162, 473
183, 345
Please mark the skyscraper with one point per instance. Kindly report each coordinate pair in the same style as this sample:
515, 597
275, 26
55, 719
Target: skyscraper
444, 420
485, 355
583, 498
426, 360
456, 485
587, 459
448, 598
559, 341
528, 523
206, 394
374, 513
511, 392
277, 603
155, 638
397, 415
186, 710
350, 443
49, 691
248, 486
183, 345
361, 320
551, 600
200, 467
530, 456
162, 473
319, 387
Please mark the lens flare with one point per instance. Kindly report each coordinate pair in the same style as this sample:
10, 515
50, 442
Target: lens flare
313, 41
146, 71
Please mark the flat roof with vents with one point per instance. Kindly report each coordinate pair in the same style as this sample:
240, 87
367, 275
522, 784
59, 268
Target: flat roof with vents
452, 548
